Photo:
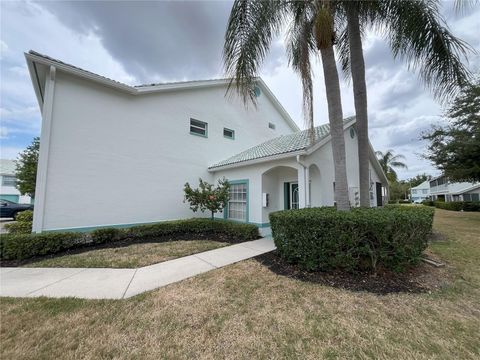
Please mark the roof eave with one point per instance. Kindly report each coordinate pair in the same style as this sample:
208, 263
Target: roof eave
257, 161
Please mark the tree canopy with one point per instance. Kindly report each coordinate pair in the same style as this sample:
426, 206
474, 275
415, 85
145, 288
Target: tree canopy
208, 197
26, 168
455, 148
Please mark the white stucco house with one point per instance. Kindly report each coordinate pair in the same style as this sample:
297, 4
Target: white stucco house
117, 155
8, 182
443, 189
420, 192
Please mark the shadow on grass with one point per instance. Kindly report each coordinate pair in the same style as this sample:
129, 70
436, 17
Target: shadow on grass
422, 278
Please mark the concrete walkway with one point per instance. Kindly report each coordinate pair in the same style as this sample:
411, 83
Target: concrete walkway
102, 283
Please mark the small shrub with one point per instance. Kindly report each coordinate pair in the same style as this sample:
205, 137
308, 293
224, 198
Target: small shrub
23, 224
106, 235
404, 201
25, 216
323, 238
428, 203
471, 206
458, 205
24, 246
19, 227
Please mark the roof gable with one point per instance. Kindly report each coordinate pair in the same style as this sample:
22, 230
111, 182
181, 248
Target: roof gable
34, 58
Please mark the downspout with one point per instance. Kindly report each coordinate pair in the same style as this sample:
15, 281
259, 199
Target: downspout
306, 179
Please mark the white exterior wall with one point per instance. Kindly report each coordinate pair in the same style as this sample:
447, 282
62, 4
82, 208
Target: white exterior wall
122, 159
288, 170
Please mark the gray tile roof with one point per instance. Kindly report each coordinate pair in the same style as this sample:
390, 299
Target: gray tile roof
280, 145
32, 52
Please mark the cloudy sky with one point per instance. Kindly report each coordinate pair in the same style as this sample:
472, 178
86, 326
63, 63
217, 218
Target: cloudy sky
146, 42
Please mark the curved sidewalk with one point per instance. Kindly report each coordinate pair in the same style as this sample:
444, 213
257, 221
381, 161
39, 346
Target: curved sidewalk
103, 283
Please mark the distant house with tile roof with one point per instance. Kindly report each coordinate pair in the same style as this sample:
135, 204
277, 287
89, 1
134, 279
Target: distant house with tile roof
8, 181
114, 154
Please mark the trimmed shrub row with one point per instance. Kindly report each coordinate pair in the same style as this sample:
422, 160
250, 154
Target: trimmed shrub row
458, 205
24, 246
360, 239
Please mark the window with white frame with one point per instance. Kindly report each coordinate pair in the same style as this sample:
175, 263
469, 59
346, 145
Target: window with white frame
237, 204
198, 127
9, 180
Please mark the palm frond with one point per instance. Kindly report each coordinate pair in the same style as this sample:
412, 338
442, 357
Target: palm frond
300, 46
251, 27
418, 33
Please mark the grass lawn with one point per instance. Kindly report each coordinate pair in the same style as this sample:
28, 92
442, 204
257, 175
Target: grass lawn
131, 256
246, 311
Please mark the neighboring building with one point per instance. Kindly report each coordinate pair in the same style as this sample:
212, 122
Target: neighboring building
8, 181
442, 189
113, 154
420, 192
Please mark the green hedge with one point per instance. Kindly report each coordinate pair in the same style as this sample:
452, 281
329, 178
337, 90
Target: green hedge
24, 246
458, 205
324, 238
23, 223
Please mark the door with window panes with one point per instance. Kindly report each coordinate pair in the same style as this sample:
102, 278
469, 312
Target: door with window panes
237, 204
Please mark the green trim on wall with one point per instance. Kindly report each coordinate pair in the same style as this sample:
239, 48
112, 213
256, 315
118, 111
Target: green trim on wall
225, 210
286, 195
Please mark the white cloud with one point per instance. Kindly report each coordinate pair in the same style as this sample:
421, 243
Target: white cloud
139, 46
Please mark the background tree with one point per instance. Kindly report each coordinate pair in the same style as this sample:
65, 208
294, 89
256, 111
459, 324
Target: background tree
26, 168
455, 149
389, 162
418, 179
399, 190
208, 197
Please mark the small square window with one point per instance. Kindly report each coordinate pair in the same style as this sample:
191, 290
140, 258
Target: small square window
271, 125
198, 128
229, 133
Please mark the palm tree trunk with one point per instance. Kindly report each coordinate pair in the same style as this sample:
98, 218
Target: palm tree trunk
357, 65
335, 117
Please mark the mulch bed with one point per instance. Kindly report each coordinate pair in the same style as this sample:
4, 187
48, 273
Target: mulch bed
119, 244
419, 279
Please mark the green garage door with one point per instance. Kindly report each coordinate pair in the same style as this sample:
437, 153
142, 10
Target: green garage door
13, 198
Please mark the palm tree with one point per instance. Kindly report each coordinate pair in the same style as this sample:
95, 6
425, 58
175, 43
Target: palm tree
416, 32
388, 161
252, 26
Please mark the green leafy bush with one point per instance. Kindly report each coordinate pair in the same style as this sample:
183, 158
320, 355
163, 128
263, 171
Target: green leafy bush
428, 203
323, 238
23, 224
24, 246
25, 216
235, 231
458, 205
101, 236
